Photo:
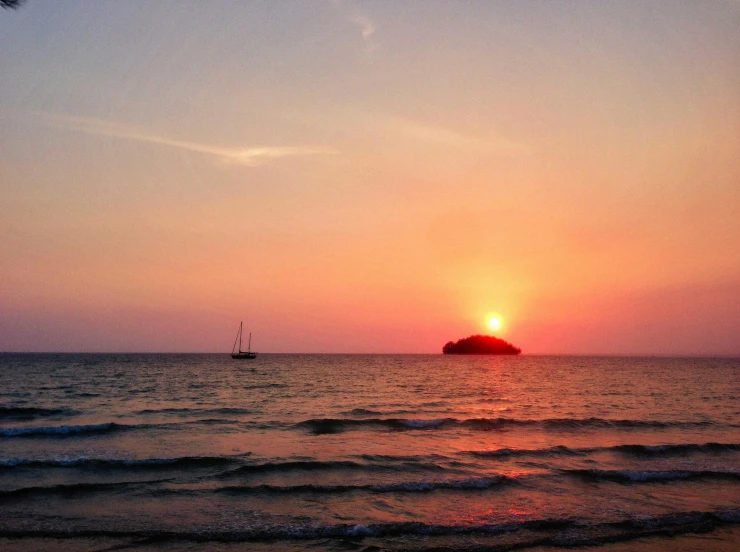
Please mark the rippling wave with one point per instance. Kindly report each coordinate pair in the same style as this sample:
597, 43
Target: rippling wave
634, 450
653, 475
33, 412
60, 431
555, 532
406, 486
336, 425
118, 463
365, 452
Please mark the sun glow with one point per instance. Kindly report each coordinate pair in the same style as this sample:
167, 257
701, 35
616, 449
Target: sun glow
495, 323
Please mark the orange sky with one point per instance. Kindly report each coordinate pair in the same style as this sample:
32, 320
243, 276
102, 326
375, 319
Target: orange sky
370, 176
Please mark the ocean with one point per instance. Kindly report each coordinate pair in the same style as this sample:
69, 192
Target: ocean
152, 452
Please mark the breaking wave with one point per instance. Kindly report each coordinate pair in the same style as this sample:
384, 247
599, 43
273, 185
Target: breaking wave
60, 430
196, 411
630, 450
476, 483
73, 488
652, 475
91, 429
31, 412
118, 463
338, 425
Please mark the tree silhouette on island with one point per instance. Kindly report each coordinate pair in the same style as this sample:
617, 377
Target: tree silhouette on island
480, 345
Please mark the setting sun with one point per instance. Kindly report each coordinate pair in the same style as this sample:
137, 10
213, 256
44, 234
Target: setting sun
495, 323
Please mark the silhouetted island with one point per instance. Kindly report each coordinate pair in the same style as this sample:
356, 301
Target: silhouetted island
480, 345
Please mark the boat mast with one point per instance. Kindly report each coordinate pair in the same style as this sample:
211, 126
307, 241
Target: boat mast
249, 347
235, 340
240, 336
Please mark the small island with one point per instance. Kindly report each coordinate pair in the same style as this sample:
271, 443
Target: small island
480, 345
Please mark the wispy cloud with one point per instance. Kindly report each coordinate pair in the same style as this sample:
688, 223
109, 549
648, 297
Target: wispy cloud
246, 156
368, 27
454, 139
356, 16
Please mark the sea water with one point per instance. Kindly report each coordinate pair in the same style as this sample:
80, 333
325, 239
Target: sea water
377, 452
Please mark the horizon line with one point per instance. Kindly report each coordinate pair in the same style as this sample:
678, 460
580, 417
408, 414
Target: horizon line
577, 355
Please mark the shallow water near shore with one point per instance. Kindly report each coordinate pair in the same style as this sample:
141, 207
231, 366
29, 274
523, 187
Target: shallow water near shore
368, 452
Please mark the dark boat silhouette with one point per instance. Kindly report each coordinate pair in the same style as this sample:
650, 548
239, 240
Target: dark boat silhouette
242, 355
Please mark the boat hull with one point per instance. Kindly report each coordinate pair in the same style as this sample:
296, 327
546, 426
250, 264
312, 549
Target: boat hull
244, 356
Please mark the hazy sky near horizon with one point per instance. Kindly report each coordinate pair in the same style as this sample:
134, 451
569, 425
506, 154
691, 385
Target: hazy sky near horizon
377, 176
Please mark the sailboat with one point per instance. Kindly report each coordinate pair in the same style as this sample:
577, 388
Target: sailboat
248, 354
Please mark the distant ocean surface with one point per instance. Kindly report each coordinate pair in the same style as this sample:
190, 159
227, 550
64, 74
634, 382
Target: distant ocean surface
377, 452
